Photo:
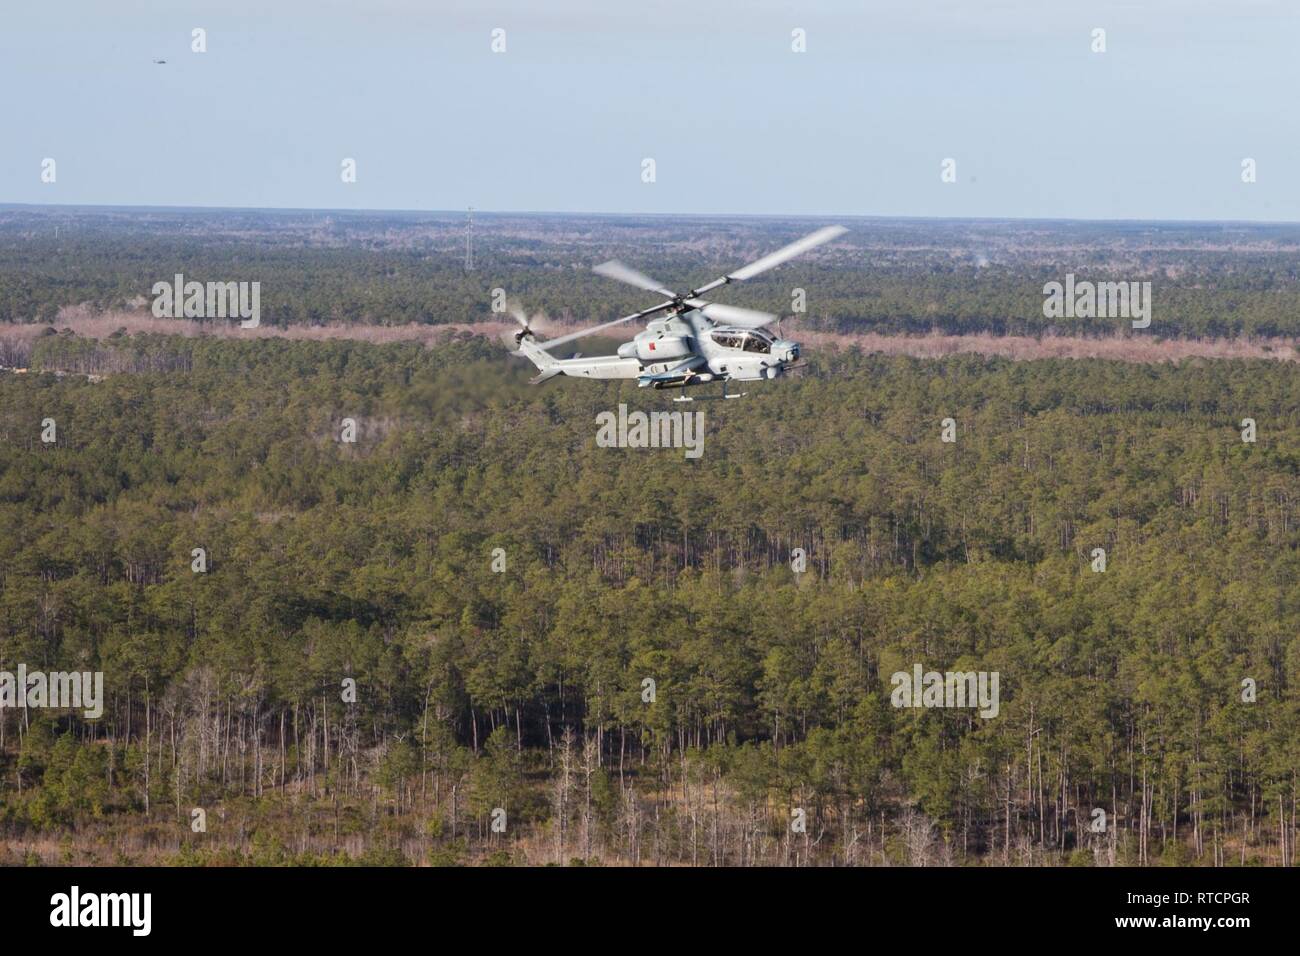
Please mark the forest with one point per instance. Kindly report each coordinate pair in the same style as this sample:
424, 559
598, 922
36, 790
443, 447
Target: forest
886, 275
431, 645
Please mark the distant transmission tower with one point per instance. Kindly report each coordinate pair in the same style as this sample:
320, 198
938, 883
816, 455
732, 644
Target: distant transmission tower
469, 240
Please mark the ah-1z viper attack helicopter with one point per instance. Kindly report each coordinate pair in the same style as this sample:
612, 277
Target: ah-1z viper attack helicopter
695, 343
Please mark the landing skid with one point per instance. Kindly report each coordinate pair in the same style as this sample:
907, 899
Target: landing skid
710, 398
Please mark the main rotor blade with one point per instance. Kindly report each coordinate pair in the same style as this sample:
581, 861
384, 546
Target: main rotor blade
613, 269
550, 343
732, 315
784, 254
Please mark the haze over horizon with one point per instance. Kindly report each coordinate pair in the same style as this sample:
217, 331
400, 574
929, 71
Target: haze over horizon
1040, 127
619, 213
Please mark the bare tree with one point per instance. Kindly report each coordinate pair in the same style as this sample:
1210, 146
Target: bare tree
560, 794
590, 767
918, 837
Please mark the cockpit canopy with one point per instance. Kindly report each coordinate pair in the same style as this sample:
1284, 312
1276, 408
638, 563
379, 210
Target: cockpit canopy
747, 340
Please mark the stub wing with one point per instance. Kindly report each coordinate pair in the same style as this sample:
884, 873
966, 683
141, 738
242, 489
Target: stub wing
678, 373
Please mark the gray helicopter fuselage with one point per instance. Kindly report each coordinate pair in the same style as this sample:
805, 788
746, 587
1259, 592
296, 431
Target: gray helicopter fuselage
693, 342
686, 349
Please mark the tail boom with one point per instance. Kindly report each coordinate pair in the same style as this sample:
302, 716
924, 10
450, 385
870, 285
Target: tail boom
596, 366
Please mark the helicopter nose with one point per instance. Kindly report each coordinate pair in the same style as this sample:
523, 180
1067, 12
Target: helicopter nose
787, 351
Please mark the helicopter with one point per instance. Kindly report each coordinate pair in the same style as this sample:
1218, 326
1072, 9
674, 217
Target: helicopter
695, 343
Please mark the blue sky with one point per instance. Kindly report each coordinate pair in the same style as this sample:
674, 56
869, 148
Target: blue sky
1040, 126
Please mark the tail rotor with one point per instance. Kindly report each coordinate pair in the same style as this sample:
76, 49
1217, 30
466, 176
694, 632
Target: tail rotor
525, 330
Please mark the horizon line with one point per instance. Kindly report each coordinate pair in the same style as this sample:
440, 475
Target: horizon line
629, 215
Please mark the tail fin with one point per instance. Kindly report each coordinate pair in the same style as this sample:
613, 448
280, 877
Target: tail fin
541, 358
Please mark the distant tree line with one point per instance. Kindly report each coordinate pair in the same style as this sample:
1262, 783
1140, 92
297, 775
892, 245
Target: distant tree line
894, 276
